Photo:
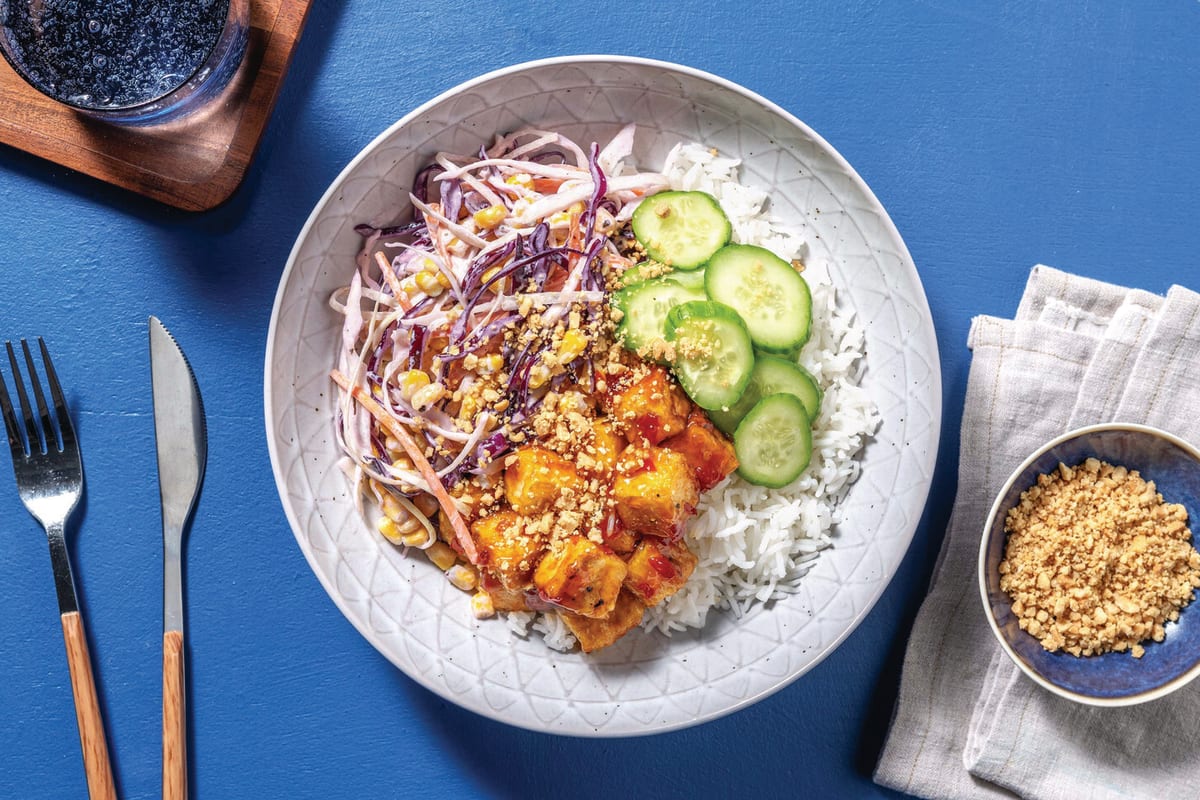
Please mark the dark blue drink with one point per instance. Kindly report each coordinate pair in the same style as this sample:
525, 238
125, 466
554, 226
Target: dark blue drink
124, 59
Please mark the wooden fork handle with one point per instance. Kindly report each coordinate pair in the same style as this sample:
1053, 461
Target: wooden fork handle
174, 740
87, 711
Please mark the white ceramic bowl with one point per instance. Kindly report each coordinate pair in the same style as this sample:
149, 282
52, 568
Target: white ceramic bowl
646, 682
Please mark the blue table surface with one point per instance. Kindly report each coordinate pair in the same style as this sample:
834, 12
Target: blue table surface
998, 135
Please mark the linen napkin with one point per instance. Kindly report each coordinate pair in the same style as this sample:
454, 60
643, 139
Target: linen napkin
968, 723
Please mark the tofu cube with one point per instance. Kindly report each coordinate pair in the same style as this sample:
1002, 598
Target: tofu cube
708, 452
580, 576
599, 457
616, 536
535, 478
652, 408
596, 633
502, 599
656, 492
658, 569
506, 549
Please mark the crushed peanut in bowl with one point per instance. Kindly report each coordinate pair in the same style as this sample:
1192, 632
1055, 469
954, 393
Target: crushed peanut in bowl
1096, 561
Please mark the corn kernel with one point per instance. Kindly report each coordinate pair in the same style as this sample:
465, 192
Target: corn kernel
441, 555
462, 577
426, 396
519, 179
387, 527
469, 409
571, 347
427, 504
428, 283
391, 507
482, 606
443, 279
490, 364
417, 538
538, 376
412, 381
410, 286
488, 275
490, 217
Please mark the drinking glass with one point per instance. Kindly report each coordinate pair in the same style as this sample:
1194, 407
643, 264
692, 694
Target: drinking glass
133, 62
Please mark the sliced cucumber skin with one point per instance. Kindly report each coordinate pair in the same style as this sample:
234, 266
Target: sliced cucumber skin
772, 374
693, 279
633, 276
737, 352
768, 425
642, 323
709, 228
727, 276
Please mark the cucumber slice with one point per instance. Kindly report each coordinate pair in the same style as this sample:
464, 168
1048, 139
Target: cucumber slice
693, 279
771, 375
774, 442
769, 294
713, 355
638, 273
682, 229
645, 306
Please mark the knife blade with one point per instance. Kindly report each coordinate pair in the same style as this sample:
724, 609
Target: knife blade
182, 443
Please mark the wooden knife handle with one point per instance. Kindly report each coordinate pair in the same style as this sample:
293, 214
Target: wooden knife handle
87, 710
174, 739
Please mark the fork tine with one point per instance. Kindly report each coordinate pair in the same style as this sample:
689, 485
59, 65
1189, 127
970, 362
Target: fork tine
10, 421
31, 431
65, 429
49, 437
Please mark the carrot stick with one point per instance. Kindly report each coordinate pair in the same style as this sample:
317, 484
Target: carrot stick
389, 275
461, 533
547, 185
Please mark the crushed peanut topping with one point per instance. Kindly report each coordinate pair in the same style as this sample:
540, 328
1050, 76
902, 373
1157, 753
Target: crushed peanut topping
1096, 561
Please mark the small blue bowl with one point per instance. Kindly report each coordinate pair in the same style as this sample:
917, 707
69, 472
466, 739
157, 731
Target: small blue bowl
1111, 679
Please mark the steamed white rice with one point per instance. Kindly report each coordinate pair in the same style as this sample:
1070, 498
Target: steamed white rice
756, 544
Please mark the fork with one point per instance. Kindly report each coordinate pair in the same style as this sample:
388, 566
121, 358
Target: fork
49, 474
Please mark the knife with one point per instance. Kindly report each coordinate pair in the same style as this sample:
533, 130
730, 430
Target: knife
179, 431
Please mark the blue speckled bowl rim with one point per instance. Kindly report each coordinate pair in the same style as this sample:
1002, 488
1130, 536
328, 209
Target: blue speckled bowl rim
1122, 700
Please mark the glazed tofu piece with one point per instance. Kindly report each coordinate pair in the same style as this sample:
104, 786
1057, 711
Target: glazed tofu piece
599, 457
580, 576
503, 599
655, 491
616, 536
596, 633
652, 408
506, 548
658, 569
535, 478
708, 452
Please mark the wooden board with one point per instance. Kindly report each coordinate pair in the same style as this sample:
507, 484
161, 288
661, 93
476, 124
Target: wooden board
194, 163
